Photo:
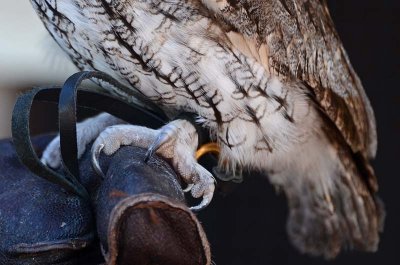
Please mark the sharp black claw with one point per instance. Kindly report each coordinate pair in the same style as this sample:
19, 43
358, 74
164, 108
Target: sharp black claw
148, 155
95, 160
163, 136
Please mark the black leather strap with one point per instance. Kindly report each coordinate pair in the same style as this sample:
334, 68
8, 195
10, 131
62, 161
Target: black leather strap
68, 98
24, 148
67, 117
67, 113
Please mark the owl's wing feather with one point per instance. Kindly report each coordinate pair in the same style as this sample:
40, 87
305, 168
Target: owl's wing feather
296, 39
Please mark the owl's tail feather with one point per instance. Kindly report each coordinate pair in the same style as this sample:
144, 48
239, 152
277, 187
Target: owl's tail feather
347, 214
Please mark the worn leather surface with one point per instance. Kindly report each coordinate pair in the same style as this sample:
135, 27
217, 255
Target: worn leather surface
136, 214
39, 222
146, 223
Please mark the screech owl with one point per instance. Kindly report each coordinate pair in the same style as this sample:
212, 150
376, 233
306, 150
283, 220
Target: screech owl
271, 81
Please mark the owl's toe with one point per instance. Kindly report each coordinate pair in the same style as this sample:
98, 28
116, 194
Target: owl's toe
176, 142
204, 187
52, 154
86, 132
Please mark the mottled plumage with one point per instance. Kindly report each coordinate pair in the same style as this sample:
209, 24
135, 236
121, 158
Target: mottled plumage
269, 78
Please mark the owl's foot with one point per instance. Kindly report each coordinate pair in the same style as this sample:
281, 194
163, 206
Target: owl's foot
86, 132
176, 142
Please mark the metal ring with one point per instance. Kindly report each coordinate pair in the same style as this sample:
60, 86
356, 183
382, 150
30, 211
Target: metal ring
208, 148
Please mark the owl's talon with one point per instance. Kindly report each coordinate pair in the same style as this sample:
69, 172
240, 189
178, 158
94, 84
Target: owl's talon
95, 159
176, 142
150, 152
204, 187
165, 134
204, 203
188, 188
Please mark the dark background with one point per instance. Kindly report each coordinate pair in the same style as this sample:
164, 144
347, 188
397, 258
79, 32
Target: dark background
247, 227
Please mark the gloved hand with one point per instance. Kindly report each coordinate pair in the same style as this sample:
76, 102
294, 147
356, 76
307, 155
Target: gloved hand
136, 214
